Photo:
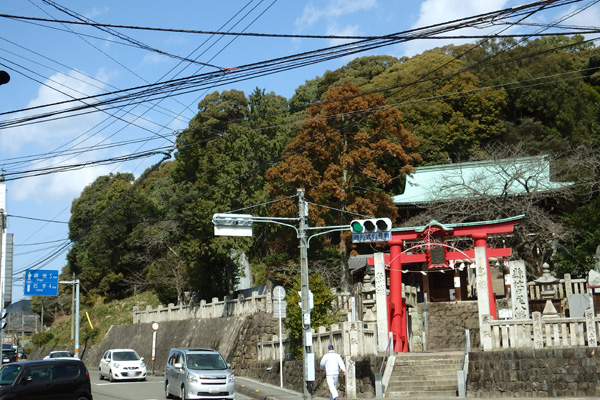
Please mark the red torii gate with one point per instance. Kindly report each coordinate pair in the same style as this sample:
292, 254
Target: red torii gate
479, 231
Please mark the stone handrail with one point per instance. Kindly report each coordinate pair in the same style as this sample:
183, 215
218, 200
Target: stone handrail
215, 309
540, 332
348, 338
562, 289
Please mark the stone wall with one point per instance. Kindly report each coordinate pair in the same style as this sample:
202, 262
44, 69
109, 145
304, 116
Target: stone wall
235, 337
558, 372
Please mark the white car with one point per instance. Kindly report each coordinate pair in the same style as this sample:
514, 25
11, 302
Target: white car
122, 364
59, 354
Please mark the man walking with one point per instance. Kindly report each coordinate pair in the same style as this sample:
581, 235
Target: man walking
332, 363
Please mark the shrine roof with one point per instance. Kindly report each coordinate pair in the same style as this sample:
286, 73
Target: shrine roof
514, 176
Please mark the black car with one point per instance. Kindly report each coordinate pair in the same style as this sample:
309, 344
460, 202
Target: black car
64, 379
9, 353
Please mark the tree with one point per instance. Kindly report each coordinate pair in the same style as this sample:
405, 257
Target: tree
443, 105
102, 219
221, 160
351, 153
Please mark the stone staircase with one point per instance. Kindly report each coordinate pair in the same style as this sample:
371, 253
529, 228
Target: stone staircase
446, 324
425, 375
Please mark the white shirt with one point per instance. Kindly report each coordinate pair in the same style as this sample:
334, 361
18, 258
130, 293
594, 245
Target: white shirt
332, 363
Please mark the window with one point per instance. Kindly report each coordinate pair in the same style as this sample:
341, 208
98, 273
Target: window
38, 374
66, 371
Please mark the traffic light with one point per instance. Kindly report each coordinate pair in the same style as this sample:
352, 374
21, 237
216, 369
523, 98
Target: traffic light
371, 230
232, 224
3, 319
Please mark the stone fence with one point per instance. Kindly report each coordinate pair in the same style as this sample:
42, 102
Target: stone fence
221, 308
562, 288
540, 332
350, 338
216, 309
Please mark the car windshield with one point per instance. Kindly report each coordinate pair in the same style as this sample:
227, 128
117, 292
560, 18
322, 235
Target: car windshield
8, 373
7, 346
206, 361
57, 354
125, 356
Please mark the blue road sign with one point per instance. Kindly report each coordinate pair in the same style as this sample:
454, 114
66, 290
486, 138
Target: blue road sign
41, 283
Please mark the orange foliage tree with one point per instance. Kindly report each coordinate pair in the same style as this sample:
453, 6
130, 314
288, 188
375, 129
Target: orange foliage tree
351, 155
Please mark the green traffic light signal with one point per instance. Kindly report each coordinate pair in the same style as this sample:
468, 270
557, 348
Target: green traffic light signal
356, 226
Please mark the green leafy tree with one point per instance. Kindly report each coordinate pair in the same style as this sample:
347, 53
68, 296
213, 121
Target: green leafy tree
443, 106
222, 157
351, 153
321, 315
102, 219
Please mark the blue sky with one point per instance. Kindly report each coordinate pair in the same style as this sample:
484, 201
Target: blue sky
49, 62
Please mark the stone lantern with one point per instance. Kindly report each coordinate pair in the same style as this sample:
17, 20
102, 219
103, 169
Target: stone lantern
546, 282
368, 292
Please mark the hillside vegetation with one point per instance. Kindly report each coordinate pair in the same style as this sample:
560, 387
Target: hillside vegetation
348, 138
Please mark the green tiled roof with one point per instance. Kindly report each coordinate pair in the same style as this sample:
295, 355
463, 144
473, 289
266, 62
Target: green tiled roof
515, 176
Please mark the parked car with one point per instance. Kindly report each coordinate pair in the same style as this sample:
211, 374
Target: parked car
122, 364
22, 354
9, 353
198, 374
64, 379
59, 354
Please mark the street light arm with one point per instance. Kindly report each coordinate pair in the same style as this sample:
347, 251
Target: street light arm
278, 223
337, 229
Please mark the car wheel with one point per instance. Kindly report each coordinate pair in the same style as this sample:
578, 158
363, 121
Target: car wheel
100, 376
182, 397
168, 394
110, 376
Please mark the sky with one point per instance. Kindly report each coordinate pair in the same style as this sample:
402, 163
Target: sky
53, 62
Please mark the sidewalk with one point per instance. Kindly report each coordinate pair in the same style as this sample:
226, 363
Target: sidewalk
264, 391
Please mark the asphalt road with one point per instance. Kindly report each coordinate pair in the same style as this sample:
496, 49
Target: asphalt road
151, 389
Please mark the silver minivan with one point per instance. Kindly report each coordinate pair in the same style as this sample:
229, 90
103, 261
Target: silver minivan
192, 373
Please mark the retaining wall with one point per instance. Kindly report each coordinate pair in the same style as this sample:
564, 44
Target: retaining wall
558, 372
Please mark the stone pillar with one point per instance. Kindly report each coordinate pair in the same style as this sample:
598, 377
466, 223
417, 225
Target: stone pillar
590, 326
351, 377
381, 302
519, 297
485, 296
538, 334
485, 330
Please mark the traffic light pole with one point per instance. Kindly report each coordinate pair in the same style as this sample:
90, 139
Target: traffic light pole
241, 225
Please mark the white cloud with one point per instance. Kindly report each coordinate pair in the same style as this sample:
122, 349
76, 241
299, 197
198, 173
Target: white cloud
57, 186
331, 10
47, 135
437, 11
154, 59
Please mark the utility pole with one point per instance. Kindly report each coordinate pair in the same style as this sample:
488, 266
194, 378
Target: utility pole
241, 225
2, 250
308, 355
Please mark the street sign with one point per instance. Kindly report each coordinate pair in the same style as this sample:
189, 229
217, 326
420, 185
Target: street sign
371, 237
40, 283
278, 293
279, 308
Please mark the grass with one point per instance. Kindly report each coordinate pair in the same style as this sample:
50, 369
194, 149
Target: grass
102, 316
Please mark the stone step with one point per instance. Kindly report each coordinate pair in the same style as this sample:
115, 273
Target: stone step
404, 372
423, 386
411, 394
